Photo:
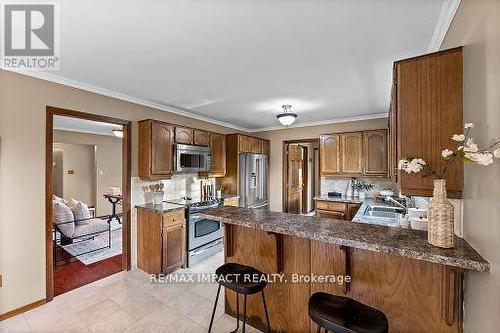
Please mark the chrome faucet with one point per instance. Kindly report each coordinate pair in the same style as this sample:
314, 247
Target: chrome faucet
391, 199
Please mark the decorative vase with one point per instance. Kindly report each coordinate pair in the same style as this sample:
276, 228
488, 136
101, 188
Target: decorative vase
218, 194
441, 217
362, 195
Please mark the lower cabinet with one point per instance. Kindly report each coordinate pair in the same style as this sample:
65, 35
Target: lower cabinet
161, 241
336, 210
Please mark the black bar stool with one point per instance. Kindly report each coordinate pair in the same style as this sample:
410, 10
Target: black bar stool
240, 279
345, 315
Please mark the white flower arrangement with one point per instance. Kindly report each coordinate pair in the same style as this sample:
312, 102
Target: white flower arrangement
468, 152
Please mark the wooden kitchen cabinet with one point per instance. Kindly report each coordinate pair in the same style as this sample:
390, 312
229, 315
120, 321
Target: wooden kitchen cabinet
244, 144
255, 145
375, 152
161, 241
329, 146
174, 247
336, 209
156, 150
352, 153
218, 145
184, 135
201, 138
266, 149
426, 112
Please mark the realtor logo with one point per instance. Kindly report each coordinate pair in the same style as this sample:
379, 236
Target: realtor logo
30, 36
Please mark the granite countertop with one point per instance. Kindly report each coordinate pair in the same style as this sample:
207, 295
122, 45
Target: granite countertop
161, 208
403, 242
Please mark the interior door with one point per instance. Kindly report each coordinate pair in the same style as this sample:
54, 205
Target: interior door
295, 178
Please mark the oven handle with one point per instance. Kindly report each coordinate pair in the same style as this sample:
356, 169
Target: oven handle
217, 242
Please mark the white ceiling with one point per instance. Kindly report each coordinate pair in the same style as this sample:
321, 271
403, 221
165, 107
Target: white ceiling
237, 62
84, 125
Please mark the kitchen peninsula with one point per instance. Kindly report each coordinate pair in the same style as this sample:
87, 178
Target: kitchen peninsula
418, 286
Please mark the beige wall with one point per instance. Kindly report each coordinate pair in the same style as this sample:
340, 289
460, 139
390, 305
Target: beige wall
22, 173
108, 163
477, 26
81, 183
277, 137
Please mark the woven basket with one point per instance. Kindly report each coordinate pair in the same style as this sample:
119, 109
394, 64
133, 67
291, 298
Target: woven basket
440, 214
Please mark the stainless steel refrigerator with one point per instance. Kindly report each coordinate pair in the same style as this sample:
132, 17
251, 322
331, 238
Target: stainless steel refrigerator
253, 180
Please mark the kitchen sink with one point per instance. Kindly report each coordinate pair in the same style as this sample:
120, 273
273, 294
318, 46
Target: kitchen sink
390, 215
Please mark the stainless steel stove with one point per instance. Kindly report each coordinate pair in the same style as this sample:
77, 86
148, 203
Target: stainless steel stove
204, 236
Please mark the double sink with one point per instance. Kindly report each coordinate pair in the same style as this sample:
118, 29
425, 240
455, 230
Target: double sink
386, 215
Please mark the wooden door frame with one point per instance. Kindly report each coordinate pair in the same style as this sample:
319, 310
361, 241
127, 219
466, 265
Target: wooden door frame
305, 176
52, 111
284, 162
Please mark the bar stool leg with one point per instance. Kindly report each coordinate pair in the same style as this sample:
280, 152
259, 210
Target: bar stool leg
244, 312
265, 310
237, 313
215, 308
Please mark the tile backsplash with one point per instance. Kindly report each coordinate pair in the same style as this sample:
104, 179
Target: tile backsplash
330, 184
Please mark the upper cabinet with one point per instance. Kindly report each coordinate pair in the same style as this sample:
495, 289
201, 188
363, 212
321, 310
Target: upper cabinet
375, 152
218, 145
329, 147
156, 149
354, 153
201, 138
426, 111
249, 144
184, 135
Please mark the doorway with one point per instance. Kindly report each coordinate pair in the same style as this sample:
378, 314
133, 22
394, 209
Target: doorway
74, 183
300, 175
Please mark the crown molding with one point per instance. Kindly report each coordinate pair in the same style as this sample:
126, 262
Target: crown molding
443, 23
323, 122
127, 98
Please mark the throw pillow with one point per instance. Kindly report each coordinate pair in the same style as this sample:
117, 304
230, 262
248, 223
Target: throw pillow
80, 211
61, 215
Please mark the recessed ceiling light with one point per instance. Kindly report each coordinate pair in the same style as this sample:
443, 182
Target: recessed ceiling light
286, 118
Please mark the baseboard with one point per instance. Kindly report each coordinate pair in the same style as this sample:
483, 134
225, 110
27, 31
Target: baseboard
22, 309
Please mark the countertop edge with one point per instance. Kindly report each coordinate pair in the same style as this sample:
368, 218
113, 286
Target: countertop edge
465, 264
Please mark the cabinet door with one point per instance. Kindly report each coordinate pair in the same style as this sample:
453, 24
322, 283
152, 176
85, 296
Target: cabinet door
331, 214
218, 145
255, 145
243, 144
162, 148
266, 150
375, 152
329, 150
352, 153
429, 112
201, 138
183, 135
173, 251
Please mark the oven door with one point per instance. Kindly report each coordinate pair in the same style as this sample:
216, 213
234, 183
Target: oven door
202, 231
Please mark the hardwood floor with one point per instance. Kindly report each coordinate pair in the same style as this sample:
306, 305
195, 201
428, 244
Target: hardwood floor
76, 274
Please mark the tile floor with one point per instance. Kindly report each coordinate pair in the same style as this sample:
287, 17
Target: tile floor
128, 302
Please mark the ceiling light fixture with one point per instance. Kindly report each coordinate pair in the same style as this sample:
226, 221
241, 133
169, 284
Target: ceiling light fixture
286, 118
118, 133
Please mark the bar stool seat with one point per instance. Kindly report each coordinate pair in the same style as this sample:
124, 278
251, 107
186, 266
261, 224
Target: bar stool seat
345, 315
243, 280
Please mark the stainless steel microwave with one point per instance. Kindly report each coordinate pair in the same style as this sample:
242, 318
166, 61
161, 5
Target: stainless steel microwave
192, 158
